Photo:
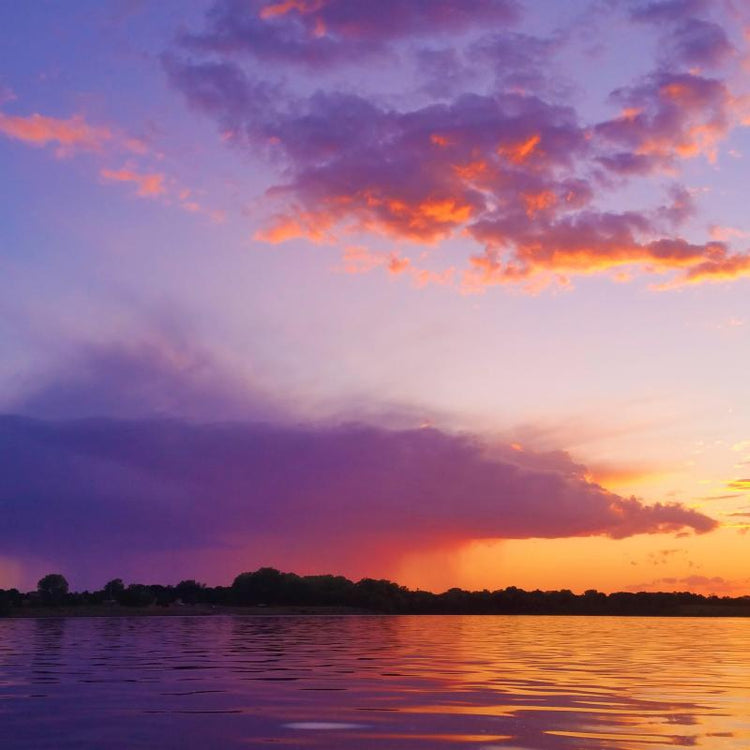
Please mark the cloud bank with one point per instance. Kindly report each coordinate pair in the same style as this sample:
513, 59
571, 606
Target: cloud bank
103, 492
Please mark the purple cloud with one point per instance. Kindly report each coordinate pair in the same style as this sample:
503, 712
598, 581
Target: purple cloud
518, 61
130, 487
164, 376
686, 39
327, 32
503, 161
668, 117
420, 174
672, 11
697, 42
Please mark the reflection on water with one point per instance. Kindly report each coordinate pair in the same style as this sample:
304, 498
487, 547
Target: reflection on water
517, 683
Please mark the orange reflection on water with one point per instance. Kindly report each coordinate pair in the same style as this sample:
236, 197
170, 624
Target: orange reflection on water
345, 683
440, 737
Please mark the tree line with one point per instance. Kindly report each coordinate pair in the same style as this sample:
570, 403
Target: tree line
268, 587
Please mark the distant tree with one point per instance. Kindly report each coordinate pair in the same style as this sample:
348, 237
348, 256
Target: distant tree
114, 589
328, 590
273, 587
52, 588
262, 586
137, 595
379, 594
163, 595
190, 591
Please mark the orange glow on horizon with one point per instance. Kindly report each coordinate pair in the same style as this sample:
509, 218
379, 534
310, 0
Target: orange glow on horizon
634, 563
613, 477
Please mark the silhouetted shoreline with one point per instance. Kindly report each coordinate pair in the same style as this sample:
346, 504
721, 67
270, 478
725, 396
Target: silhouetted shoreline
194, 610
269, 592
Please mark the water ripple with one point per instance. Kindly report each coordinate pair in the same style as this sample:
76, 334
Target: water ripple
517, 683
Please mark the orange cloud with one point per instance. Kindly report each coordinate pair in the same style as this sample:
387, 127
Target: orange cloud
38, 130
427, 220
286, 6
594, 243
471, 170
158, 185
313, 226
723, 269
519, 152
357, 259
75, 133
422, 221
448, 211
611, 476
397, 265
147, 185
540, 201
696, 140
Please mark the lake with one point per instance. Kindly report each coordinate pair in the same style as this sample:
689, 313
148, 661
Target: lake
517, 683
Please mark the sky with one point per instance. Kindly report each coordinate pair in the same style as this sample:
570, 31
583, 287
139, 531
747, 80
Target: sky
452, 293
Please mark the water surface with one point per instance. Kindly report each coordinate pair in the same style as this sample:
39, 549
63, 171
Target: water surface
518, 683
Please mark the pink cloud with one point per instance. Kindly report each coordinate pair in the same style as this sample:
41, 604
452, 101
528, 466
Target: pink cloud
69, 135
147, 185
357, 259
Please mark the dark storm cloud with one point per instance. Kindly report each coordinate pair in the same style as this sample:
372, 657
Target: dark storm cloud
98, 489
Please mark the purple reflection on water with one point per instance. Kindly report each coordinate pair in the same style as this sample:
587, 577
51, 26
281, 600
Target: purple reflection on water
531, 683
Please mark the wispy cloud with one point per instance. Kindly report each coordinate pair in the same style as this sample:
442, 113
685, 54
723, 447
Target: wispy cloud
74, 135
147, 185
68, 135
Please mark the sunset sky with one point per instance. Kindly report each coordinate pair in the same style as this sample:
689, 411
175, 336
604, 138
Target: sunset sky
452, 292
